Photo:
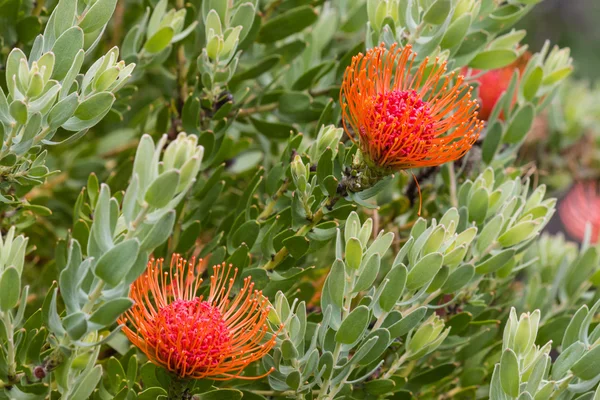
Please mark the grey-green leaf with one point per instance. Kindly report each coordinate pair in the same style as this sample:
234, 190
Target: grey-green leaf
10, 288
424, 271
114, 265
509, 373
162, 190
353, 326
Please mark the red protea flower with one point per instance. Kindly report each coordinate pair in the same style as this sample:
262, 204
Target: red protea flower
403, 120
493, 84
195, 337
580, 207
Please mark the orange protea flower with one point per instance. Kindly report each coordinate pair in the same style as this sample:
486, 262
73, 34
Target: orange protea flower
403, 120
493, 84
195, 337
580, 207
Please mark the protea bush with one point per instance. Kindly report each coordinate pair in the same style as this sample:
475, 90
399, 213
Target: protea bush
303, 199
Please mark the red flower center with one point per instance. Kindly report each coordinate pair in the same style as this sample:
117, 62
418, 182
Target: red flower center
401, 114
190, 334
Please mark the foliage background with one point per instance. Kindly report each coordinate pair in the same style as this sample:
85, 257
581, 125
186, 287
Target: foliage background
234, 197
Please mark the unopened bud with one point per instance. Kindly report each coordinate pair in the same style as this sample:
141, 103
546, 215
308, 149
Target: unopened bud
328, 136
426, 334
299, 173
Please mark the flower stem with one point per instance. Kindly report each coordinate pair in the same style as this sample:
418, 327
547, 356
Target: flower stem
266, 213
452, 176
395, 367
258, 109
10, 346
281, 254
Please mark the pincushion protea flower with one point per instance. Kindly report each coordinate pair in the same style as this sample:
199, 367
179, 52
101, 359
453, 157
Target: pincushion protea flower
493, 84
403, 120
195, 337
580, 207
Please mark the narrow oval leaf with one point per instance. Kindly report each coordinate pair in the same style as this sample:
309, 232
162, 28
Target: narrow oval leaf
114, 265
353, 326
424, 271
509, 373
10, 289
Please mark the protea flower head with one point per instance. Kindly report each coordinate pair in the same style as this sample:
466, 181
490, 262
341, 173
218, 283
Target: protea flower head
580, 207
493, 84
195, 337
402, 119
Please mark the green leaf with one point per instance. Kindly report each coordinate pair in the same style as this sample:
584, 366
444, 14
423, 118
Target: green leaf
311, 76
264, 65
368, 275
496, 390
293, 380
18, 110
567, 359
94, 106
63, 16
397, 279
76, 325
492, 141
288, 350
354, 253
296, 245
33, 127
588, 367
518, 233
162, 189
456, 32
557, 76
424, 271
571, 333
459, 322
353, 327
108, 312
62, 111
508, 40
478, 205
434, 241
286, 24
65, 50
244, 17
496, 262
407, 322
160, 232
489, 233
89, 382
10, 289
532, 83
438, 12
273, 130
509, 373
520, 125
376, 349
380, 386
114, 265
160, 40
294, 102
98, 15
459, 278
337, 282
493, 59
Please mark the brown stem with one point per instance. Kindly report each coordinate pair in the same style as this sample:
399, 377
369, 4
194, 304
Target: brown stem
117, 18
